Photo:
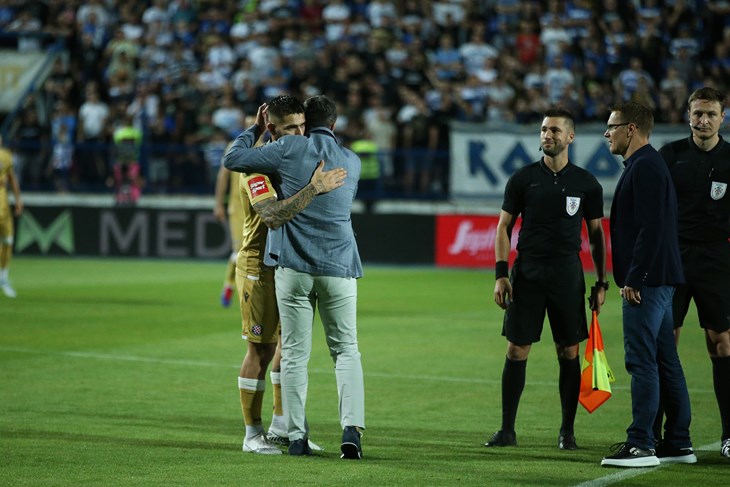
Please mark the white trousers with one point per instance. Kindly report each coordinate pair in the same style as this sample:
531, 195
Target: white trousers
298, 295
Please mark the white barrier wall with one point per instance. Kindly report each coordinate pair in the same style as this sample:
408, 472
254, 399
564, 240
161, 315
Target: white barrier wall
483, 157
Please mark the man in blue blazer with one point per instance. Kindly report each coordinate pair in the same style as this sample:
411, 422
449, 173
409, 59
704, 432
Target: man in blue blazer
317, 262
647, 267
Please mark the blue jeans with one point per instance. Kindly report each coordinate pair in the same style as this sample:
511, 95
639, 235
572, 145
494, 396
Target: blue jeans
652, 361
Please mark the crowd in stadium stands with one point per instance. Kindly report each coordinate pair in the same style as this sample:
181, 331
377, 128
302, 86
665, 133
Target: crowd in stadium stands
182, 75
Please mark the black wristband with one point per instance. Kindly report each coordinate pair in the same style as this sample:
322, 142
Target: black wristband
501, 269
603, 284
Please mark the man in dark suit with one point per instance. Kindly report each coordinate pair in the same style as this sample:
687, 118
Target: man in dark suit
647, 267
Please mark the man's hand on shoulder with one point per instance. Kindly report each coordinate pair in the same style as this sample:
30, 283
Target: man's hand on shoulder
325, 181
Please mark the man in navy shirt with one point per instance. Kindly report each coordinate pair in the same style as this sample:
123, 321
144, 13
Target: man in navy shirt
647, 267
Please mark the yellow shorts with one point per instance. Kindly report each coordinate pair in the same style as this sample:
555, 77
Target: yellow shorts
259, 314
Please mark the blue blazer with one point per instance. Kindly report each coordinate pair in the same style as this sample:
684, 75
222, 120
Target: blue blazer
644, 240
319, 240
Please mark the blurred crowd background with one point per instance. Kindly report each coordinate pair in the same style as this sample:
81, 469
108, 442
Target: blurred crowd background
169, 83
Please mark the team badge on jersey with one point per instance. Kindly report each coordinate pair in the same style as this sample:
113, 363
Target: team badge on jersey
257, 186
257, 330
717, 191
572, 203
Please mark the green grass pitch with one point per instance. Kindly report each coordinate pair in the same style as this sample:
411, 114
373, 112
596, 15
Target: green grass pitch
123, 372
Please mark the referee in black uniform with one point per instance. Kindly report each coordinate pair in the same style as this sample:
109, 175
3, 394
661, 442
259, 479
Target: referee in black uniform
554, 197
700, 168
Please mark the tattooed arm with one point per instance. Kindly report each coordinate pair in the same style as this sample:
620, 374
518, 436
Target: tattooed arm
275, 212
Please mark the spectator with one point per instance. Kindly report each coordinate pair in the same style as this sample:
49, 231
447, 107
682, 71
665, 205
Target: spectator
629, 79
93, 134
476, 51
334, 16
557, 78
31, 149
228, 117
29, 29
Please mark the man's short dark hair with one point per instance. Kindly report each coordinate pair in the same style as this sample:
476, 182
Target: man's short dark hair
636, 113
560, 112
709, 94
283, 106
320, 111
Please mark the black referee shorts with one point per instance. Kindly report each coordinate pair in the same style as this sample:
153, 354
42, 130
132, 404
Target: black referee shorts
556, 286
707, 272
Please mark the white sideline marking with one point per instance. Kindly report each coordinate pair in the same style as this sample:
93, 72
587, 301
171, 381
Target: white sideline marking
203, 363
629, 473
617, 477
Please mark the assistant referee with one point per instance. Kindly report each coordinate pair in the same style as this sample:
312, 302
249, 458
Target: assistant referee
700, 169
553, 196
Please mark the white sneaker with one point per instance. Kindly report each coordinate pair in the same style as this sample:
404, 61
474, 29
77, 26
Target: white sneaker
280, 437
8, 289
259, 444
313, 446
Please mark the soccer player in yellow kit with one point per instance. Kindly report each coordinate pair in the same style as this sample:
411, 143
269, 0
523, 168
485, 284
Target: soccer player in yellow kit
232, 210
7, 176
255, 281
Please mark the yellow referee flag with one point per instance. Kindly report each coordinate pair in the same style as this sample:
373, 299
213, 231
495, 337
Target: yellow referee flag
596, 375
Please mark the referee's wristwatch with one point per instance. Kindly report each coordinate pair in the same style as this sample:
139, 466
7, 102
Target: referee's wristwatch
603, 284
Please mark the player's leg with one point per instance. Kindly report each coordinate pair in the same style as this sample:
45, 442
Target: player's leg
569, 387
277, 430
259, 328
227, 291
6, 254
566, 309
514, 374
229, 281
712, 273
251, 385
235, 228
718, 345
522, 327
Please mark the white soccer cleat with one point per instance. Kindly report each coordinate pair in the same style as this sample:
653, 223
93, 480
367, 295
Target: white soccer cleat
725, 448
259, 444
8, 289
277, 436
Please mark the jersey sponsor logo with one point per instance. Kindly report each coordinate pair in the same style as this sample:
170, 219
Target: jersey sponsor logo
717, 191
257, 186
572, 203
257, 330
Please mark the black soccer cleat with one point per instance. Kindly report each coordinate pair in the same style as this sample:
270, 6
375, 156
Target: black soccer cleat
567, 442
502, 438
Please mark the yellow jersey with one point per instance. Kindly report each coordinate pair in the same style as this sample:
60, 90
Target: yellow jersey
253, 188
6, 166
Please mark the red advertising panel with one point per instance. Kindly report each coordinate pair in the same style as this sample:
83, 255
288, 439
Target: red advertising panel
468, 241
